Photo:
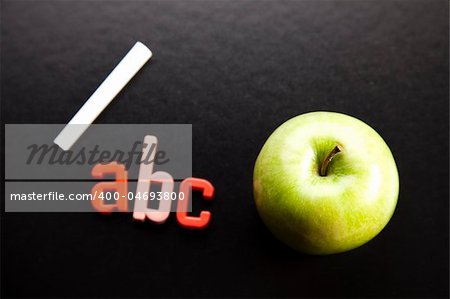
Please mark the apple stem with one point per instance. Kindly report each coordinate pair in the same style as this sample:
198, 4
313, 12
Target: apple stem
324, 168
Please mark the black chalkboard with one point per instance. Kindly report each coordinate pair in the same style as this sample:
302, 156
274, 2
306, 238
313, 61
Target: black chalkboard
235, 70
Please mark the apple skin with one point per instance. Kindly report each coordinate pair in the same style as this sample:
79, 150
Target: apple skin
325, 214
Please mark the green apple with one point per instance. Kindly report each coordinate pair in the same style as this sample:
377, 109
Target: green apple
325, 183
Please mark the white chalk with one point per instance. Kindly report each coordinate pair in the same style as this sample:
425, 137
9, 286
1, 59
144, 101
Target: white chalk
105, 93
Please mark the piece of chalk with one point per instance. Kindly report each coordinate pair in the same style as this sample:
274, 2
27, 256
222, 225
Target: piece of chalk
105, 93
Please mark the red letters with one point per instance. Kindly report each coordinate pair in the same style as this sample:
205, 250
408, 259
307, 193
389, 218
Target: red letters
120, 185
182, 216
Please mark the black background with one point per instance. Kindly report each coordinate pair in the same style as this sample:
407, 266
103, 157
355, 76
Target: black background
236, 70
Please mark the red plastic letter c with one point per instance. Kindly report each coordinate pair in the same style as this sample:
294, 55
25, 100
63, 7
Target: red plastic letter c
182, 215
